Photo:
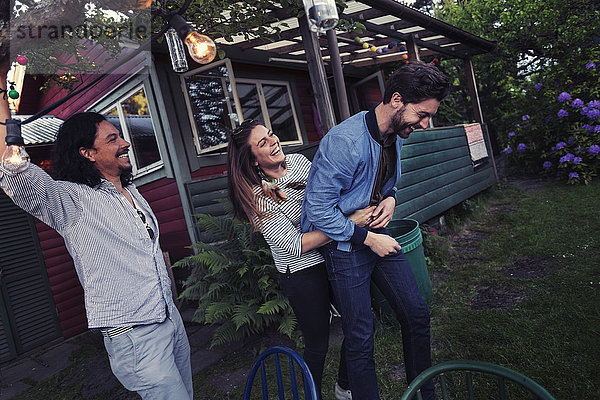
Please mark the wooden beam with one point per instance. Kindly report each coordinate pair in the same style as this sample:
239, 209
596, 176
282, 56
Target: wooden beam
412, 49
338, 75
473, 92
318, 78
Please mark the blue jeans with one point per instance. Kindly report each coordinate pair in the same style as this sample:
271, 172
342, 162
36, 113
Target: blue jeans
308, 292
153, 360
350, 274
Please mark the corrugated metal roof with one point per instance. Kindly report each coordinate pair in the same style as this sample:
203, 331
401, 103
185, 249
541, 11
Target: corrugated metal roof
41, 131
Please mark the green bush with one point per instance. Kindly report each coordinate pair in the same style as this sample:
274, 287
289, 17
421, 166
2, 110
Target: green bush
235, 283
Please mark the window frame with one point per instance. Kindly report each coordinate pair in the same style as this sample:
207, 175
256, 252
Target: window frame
234, 110
265, 107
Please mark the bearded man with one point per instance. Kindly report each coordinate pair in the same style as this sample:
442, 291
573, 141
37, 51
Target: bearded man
358, 165
112, 234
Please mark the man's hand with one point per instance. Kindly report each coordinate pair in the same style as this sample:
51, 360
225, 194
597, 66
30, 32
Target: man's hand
383, 213
381, 244
362, 217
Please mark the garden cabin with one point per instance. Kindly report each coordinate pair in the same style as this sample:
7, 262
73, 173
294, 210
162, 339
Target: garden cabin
177, 125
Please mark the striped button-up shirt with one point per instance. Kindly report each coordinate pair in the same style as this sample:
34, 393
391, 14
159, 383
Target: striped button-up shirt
121, 269
281, 225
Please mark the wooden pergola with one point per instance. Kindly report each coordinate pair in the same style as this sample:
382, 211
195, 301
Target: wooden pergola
416, 34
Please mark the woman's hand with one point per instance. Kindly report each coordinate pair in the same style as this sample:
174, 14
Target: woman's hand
363, 217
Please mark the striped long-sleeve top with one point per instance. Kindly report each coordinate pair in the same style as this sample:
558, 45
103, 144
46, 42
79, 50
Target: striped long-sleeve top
122, 270
281, 225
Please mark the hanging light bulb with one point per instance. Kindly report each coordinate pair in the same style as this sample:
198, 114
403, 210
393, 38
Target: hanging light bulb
176, 51
15, 158
201, 48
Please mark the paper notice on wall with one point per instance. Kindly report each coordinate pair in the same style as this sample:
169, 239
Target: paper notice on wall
476, 143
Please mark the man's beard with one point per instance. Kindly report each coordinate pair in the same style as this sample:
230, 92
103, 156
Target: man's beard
398, 124
126, 170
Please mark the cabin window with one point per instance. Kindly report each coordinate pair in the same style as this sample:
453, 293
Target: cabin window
212, 108
270, 103
131, 115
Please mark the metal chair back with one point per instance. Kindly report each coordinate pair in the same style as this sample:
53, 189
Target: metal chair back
441, 373
294, 360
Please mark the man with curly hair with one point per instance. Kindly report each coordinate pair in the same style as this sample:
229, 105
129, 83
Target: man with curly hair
112, 234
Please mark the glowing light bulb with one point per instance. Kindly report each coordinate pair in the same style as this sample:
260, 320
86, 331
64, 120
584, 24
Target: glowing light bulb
14, 158
202, 48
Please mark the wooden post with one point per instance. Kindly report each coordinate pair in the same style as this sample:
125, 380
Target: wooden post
338, 75
412, 49
318, 79
473, 93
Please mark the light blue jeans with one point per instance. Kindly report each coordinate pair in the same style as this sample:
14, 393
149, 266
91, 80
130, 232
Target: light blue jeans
153, 360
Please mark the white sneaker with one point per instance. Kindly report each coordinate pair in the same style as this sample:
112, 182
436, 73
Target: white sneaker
342, 394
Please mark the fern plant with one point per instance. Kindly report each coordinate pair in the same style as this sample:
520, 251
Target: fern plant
235, 283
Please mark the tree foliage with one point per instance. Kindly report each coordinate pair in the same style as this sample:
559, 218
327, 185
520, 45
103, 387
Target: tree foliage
547, 43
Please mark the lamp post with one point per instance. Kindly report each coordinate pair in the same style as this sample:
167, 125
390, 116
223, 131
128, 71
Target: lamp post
322, 15
14, 158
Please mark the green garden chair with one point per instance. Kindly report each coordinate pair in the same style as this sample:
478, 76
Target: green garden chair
470, 380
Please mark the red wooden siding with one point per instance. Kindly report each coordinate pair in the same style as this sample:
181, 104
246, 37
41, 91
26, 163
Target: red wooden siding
88, 97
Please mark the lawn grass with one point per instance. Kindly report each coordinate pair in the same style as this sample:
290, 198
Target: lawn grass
526, 296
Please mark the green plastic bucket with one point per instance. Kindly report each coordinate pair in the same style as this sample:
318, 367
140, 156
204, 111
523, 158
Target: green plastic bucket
408, 235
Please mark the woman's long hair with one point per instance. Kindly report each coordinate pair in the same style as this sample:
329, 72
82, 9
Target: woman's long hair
242, 174
68, 164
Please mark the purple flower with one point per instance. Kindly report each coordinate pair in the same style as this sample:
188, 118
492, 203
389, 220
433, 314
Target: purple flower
560, 145
549, 118
517, 125
573, 175
590, 65
525, 117
508, 150
593, 113
576, 160
588, 128
594, 149
521, 147
538, 86
569, 157
564, 96
547, 164
594, 104
597, 129
511, 134
562, 113
577, 103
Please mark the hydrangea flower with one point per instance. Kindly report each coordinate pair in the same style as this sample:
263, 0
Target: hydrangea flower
562, 113
588, 128
538, 86
560, 145
590, 65
564, 96
566, 158
521, 147
577, 103
593, 113
594, 149
577, 160
549, 118
508, 150
525, 117
594, 104
573, 175
547, 164
511, 134
597, 129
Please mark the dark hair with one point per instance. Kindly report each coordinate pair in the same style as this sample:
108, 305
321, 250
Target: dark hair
417, 81
242, 174
68, 164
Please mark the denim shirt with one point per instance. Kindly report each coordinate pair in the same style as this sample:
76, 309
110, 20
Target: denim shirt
341, 179
122, 270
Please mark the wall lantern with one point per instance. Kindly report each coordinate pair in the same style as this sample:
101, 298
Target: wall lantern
202, 49
15, 158
322, 15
